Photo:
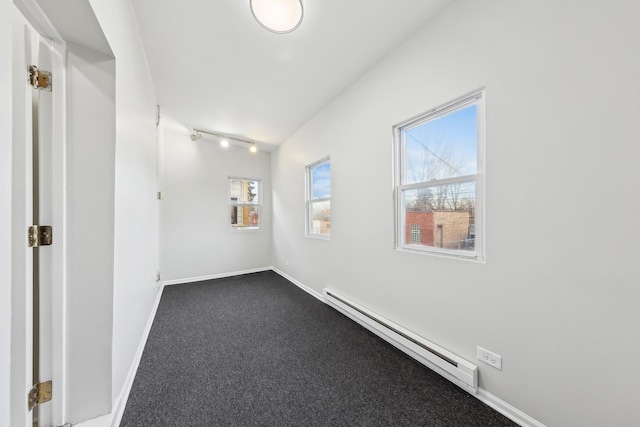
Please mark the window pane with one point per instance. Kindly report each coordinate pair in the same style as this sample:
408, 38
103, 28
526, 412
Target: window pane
244, 191
441, 216
444, 147
321, 181
245, 216
320, 218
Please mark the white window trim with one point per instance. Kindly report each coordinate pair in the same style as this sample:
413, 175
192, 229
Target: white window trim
231, 204
478, 98
309, 201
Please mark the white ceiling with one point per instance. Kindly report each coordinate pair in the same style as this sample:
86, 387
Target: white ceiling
215, 68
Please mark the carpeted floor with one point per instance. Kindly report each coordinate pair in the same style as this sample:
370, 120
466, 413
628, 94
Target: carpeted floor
255, 350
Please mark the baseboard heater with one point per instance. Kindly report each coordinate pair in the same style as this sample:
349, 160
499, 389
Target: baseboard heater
455, 369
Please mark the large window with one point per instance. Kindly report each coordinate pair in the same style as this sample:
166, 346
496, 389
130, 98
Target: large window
244, 203
319, 199
439, 177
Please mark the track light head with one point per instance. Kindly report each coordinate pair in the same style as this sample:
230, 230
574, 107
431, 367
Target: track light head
253, 148
195, 135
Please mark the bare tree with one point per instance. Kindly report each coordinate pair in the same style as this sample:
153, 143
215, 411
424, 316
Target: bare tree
250, 193
436, 160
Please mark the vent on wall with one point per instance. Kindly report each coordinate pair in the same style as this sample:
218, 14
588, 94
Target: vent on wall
455, 369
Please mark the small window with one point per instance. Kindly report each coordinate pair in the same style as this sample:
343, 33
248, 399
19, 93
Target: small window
438, 183
244, 203
319, 199
415, 233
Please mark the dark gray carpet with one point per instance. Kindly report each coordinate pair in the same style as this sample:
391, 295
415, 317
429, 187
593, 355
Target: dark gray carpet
255, 350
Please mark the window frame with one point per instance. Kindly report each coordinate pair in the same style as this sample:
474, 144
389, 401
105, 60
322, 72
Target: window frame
231, 204
309, 200
399, 172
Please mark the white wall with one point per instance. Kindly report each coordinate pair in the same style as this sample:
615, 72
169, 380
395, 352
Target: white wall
90, 231
5, 211
196, 236
136, 211
558, 297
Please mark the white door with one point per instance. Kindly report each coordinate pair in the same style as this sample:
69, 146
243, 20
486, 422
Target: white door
36, 200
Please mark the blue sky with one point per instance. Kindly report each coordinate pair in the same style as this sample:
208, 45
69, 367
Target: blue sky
455, 132
321, 179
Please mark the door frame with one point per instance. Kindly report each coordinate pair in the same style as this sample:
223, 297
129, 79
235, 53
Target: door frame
49, 20
53, 212
21, 218
51, 55
6, 130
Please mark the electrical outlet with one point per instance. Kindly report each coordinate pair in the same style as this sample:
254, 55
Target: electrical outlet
286, 263
490, 358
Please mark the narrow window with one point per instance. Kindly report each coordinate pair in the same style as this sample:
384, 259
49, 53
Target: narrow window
319, 198
439, 178
244, 203
415, 233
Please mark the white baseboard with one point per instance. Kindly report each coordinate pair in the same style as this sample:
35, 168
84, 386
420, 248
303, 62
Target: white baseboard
514, 414
103, 421
305, 288
121, 401
214, 276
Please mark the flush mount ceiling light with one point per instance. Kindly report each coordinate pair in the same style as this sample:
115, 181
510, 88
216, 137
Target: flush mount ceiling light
278, 16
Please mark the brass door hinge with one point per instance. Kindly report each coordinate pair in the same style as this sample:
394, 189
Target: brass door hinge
40, 235
40, 393
39, 79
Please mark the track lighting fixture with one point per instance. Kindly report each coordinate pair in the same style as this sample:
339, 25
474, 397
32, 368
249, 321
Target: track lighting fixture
224, 138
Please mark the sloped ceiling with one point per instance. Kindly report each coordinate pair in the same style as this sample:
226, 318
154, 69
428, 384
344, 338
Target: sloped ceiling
215, 68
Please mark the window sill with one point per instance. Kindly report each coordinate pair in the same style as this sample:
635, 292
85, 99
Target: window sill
441, 254
318, 236
245, 229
